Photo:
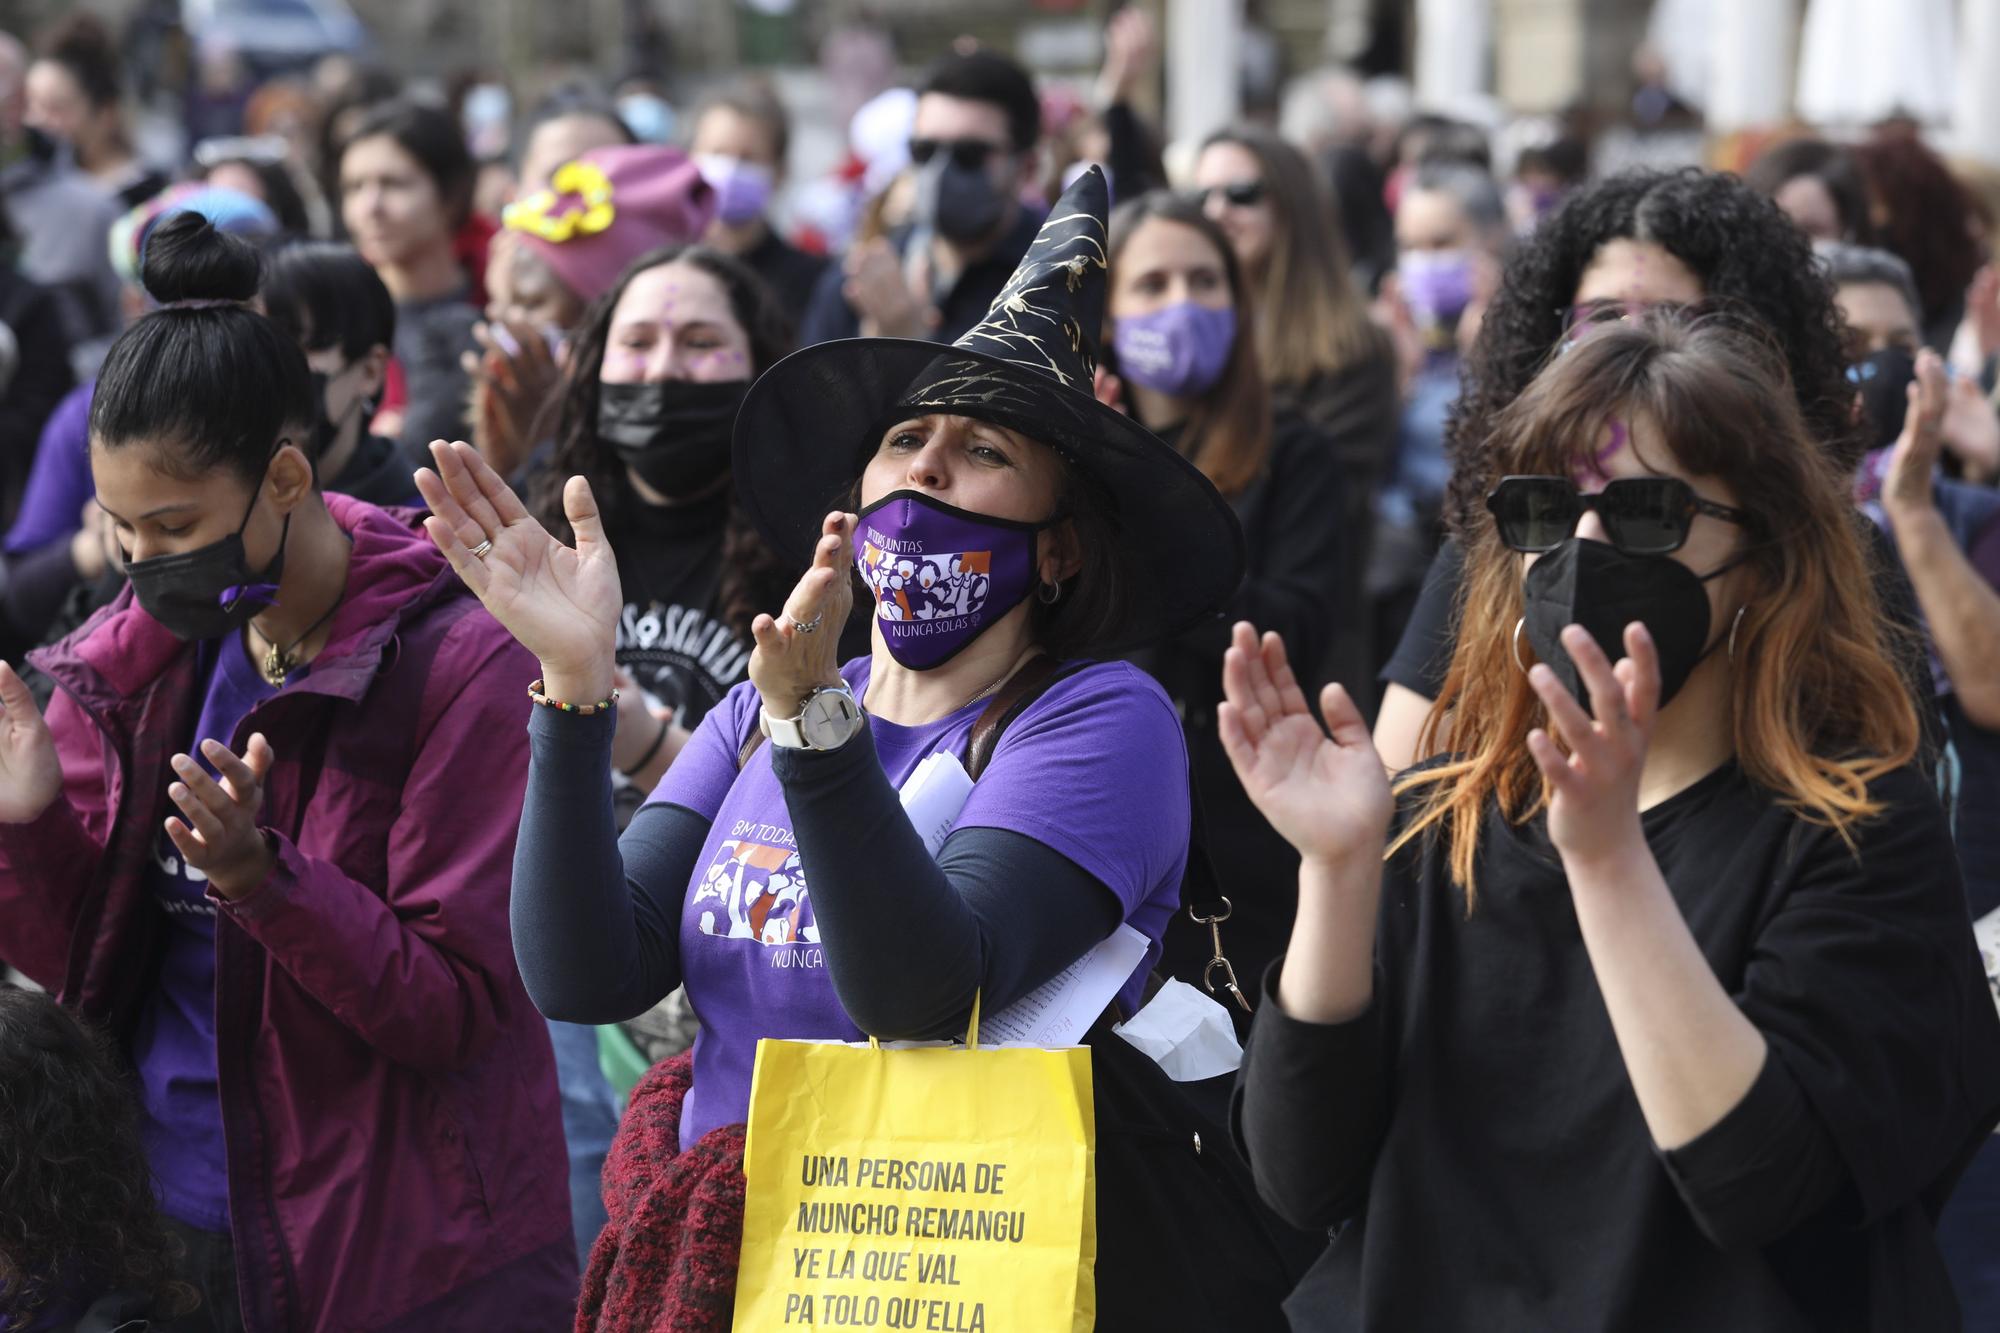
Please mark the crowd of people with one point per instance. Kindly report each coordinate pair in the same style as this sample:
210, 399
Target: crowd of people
472, 601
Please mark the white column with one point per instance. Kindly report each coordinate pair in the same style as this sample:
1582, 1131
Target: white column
1975, 111
1202, 75
1750, 63
1454, 52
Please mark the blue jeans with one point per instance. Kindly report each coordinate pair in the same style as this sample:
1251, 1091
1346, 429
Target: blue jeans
590, 1114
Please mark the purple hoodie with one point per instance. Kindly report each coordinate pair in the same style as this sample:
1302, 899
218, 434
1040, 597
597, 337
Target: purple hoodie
388, 1092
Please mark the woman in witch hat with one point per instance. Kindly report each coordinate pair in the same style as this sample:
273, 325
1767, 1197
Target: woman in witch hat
780, 880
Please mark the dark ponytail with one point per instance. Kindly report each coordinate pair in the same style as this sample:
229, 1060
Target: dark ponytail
209, 381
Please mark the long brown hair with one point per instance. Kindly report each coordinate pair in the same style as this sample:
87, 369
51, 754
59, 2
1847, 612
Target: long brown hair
1228, 434
753, 579
1310, 319
1817, 710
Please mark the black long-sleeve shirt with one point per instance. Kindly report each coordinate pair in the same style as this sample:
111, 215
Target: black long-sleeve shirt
1475, 1137
909, 940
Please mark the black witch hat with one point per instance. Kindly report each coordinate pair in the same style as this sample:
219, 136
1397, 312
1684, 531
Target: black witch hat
812, 421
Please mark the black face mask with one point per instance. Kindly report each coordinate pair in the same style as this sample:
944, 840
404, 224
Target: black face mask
673, 433
1882, 379
39, 145
958, 203
326, 430
210, 591
1603, 589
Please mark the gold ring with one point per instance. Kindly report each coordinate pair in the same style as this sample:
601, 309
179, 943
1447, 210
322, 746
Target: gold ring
479, 551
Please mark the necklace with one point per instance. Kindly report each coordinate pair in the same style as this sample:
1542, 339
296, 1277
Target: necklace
1003, 678
279, 662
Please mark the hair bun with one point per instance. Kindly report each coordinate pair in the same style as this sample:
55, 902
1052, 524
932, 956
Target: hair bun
187, 259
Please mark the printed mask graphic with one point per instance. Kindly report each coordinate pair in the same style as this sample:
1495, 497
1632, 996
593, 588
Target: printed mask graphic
927, 587
753, 891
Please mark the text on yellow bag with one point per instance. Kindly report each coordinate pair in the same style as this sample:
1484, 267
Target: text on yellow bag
931, 1187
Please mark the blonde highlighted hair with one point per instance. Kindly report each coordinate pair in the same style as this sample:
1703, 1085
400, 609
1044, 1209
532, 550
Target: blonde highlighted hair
1817, 708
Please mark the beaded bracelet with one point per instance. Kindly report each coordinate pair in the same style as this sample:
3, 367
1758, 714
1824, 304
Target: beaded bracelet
581, 710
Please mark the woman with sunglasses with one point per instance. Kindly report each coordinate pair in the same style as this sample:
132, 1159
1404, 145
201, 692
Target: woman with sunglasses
1668, 987
1623, 246
1184, 364
1324, 357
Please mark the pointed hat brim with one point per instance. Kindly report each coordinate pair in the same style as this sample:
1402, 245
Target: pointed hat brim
811, 422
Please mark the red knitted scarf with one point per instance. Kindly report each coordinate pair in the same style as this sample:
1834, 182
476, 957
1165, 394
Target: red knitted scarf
666, 1262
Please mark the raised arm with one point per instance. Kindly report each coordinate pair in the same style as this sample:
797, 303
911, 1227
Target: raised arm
1312, 1093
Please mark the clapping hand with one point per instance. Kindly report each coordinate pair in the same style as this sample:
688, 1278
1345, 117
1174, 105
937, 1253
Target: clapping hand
1594, 808
1328, 795
219, 835
30, 774
1915, 455
515, 373
560, 602
881, 294
799, 649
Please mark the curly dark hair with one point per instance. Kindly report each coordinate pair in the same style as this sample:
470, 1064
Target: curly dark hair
1926, 217
77, 1212
753, 578
1750, 257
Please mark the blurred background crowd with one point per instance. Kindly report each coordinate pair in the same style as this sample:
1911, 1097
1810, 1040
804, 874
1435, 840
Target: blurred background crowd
1327, 193
1435, 133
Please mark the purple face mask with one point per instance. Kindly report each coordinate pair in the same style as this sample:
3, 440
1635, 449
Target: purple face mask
940, 575
1179, 351
742, 188
1436, 284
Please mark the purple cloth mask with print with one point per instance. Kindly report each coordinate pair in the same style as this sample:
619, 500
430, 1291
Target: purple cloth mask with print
1179, 351
1436, 284
742, 188
940, 575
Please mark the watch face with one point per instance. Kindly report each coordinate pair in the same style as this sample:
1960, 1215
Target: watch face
829, 719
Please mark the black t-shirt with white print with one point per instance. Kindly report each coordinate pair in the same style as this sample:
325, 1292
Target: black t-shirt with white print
671, 635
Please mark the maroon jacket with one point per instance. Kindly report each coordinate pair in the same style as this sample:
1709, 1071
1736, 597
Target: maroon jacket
388, 1092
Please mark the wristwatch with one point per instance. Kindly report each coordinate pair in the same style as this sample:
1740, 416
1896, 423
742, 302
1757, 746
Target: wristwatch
827, 720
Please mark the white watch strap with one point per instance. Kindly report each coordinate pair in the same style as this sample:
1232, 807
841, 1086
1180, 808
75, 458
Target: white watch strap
784, 731
790, 732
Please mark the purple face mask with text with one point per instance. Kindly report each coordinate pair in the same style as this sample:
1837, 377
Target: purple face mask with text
1179, 351
940, 575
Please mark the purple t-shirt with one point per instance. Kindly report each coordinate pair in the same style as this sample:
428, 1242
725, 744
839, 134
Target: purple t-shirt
1095, 769
180, 1119
59, 481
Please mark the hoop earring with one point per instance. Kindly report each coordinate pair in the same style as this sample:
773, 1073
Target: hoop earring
1048, 594
1735, 625
1518, 626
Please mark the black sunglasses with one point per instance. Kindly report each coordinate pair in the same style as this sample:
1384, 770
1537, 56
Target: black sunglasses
968, 154
1641, 515
1240, 194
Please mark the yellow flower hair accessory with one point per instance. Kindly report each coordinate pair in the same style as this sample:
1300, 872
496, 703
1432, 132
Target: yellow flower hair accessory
590, 210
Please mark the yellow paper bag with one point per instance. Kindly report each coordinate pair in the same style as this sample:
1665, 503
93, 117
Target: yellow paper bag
933, 1188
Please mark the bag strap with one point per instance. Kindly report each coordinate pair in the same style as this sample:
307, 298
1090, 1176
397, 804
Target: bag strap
1022, 689
1201, 887
1201, 894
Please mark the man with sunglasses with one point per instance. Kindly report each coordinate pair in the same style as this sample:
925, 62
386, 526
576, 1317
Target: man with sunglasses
972, 147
